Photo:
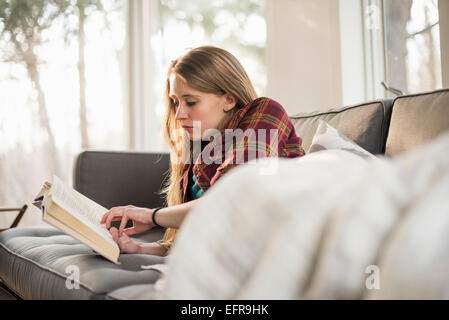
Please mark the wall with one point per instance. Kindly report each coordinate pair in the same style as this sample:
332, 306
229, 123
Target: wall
303, 54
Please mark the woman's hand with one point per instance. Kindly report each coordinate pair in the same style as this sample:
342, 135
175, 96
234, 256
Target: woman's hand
141, 218
125, 243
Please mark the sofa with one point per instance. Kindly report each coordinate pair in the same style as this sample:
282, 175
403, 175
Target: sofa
35, 261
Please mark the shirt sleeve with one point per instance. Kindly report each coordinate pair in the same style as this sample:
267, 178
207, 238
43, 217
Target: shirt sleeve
266, 131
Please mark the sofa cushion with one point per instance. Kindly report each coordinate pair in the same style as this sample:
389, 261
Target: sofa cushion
417, 119
366, 124
34, 263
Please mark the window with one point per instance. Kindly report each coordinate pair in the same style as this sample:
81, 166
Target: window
236, 26
402, 47
163, 30
62, 90
412, 45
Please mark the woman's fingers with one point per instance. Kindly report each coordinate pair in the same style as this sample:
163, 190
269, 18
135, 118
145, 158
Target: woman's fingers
130, 231
103, 219
114, 233
124, 239
123, 223
112, 211
113, 216
106, 215
125, 243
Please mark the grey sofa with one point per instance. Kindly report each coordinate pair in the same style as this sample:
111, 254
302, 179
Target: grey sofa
33, 260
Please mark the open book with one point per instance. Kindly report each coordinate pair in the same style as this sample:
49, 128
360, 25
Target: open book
76, 215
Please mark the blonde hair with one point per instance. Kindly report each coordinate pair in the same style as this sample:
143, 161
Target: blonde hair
210, 70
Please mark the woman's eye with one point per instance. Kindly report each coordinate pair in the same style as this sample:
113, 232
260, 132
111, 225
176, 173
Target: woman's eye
190, 104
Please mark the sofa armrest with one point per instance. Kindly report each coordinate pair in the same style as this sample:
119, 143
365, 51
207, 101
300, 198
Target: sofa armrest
121, 178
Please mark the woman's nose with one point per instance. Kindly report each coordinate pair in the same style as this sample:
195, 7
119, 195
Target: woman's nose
180, 113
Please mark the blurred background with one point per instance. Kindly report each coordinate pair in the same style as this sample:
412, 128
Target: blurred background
89, 74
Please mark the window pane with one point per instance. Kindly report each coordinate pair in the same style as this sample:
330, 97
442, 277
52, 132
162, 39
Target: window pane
236, 26
41, 81
412, 45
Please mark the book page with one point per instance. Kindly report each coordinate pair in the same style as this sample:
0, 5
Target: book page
83, 208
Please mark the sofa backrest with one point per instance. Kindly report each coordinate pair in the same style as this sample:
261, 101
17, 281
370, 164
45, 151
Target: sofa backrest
382, 126
417, 119
121, 178
366, 124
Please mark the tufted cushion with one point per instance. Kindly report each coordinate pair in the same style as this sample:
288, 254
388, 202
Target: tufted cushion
34, 261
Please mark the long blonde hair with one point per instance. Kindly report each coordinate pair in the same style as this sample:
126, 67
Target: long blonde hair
210, 70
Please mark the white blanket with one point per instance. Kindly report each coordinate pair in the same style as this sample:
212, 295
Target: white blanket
314, 226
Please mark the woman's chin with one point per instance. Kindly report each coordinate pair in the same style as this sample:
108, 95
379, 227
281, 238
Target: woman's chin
193, 137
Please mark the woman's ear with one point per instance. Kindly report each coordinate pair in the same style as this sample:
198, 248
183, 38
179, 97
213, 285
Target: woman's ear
230, 102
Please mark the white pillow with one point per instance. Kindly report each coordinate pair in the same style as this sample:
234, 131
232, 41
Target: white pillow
328, 138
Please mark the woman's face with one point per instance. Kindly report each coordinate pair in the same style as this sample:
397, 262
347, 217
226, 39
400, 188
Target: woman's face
196, 108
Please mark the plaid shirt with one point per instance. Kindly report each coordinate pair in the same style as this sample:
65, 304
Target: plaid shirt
261, 115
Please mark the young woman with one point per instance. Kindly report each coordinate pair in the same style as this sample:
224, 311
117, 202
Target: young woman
211, 100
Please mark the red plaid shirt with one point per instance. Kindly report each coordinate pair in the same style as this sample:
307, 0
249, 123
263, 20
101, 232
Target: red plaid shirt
262, 113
